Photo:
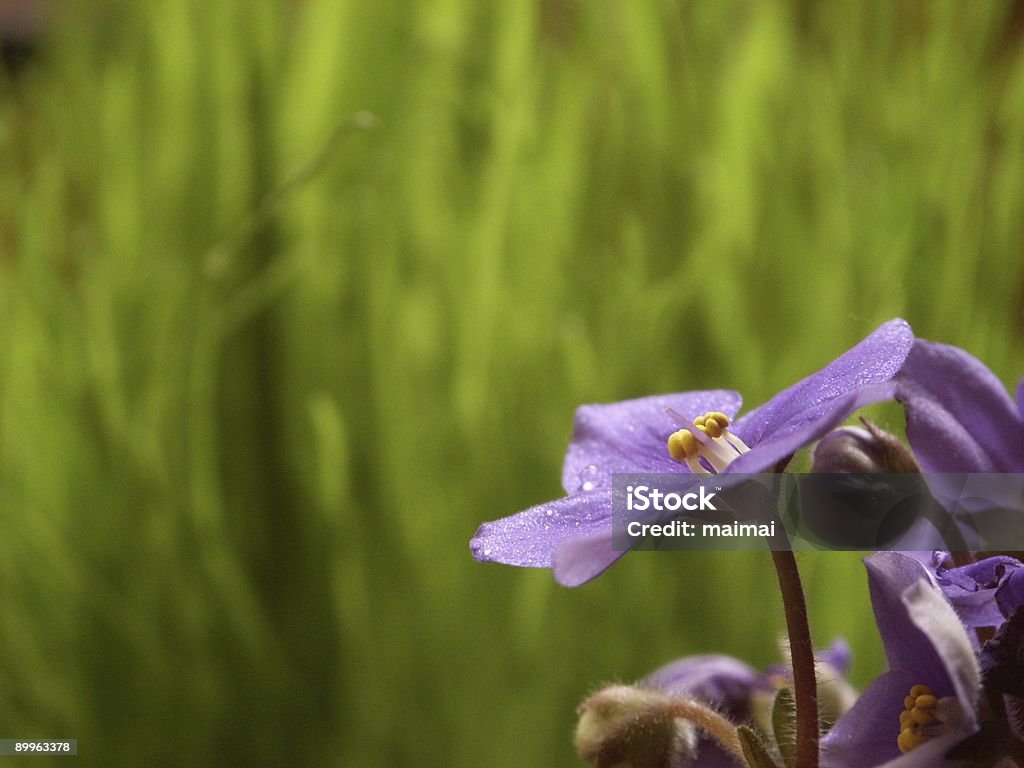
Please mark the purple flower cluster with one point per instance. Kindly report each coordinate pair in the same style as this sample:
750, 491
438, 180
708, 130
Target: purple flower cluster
952, 624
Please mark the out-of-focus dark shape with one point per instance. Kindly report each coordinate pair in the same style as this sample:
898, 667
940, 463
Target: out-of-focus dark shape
21, 24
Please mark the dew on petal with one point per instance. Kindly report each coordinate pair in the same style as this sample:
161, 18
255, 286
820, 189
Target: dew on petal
588, 477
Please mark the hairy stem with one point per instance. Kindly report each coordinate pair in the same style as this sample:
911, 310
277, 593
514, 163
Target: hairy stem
805, 687
712, 723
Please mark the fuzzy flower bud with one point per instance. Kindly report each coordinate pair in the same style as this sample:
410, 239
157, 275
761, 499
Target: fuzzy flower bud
864, 490
627, 726
867, 450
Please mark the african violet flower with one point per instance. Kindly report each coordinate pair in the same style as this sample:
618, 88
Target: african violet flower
989, 593
928, 700
983, 593
688, 432
960, 418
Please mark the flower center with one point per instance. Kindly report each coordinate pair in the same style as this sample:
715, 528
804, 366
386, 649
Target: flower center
707, 446
924, 716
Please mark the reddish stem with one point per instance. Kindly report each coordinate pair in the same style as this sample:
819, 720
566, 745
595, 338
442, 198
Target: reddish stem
805, 686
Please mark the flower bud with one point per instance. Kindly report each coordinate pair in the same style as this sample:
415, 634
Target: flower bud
636, 727
864, 491
867, 450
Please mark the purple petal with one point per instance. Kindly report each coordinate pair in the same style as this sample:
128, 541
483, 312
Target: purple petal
531, 537
972, 589
632, 436
866, 735
935, 617
709, 755
837, 656
959, 416
1020, 397
986, 573
581, 558
932, 754
907, 648
825, 417
723, 681
874, 360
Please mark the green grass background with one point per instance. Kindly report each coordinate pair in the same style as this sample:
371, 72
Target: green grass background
294, 295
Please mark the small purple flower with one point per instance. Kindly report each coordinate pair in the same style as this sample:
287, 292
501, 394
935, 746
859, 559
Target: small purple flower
688, 432
983, 593
730, 684
960, 418
927, 702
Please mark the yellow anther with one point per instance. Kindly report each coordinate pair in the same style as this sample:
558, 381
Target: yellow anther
721, 418
925, 701
683, 445
713, 428
921, 716
702, 456
918, 720
909, 740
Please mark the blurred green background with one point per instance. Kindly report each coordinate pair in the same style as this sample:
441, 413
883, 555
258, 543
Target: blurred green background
296, 294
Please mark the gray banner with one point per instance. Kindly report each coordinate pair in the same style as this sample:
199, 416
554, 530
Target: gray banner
977, 512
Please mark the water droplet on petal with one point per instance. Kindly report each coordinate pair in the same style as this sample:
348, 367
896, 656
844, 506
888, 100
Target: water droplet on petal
588, 477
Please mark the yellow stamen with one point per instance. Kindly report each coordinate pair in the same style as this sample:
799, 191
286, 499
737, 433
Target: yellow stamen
922, 718
717, 452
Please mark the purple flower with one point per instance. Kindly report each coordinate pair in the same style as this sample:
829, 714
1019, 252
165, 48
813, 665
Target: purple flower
990, 593
688, 432
736, 688
928, 700
983, 593
960, 418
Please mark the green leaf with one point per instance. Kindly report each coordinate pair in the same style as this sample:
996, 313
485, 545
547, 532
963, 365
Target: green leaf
784, 725
754, 748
